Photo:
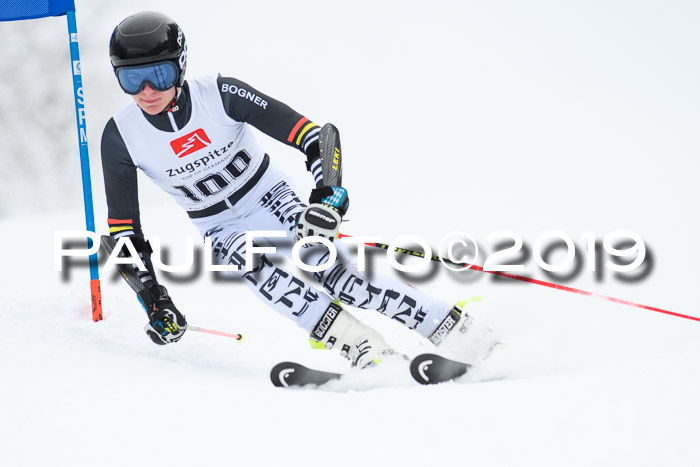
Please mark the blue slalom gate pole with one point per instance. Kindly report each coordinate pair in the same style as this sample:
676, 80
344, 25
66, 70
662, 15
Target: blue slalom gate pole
84, 162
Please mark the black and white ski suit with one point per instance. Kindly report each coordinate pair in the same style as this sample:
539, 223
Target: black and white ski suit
201, 151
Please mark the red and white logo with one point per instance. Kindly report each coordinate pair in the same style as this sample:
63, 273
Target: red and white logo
188, 144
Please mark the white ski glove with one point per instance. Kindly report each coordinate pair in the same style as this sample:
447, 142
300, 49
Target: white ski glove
324, 215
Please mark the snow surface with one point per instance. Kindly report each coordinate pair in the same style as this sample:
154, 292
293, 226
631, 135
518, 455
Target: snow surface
470, 116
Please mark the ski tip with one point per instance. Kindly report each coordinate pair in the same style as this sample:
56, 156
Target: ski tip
419, 368
280, 374
432, 369
290, 374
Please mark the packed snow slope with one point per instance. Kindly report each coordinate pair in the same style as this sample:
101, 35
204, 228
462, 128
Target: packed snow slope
454, 116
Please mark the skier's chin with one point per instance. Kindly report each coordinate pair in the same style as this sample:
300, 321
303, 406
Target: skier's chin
152, 107
154, 102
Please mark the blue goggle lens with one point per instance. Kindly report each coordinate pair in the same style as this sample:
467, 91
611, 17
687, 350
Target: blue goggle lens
160, 76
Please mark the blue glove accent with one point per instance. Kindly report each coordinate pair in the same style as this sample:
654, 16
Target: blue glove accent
335, 197
340, 194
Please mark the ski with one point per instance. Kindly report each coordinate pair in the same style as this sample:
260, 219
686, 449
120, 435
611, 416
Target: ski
430, 368
290, 374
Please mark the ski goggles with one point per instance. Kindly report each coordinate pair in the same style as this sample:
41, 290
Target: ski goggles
160, 76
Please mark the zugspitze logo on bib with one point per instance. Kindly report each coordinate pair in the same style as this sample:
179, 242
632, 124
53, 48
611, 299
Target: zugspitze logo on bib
188, 144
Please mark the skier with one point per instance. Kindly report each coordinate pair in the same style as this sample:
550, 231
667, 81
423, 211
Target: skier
193, 139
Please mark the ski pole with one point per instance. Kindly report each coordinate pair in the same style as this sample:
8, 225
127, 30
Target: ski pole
564, 288
239, 336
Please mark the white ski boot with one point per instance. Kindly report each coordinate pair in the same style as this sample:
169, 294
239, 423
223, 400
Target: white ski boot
359, 343
463, 338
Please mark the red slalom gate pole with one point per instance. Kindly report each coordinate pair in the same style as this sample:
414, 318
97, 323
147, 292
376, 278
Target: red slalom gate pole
552, 285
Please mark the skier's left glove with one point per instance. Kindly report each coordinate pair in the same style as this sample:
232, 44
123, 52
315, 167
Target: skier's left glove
322, 218
165, 323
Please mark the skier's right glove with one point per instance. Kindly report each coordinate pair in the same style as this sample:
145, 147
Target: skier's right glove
322, 218
165, 323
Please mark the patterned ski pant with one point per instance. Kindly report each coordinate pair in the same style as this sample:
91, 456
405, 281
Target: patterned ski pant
273, 205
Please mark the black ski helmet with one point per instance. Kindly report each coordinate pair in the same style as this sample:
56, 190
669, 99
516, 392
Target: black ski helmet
148, 37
